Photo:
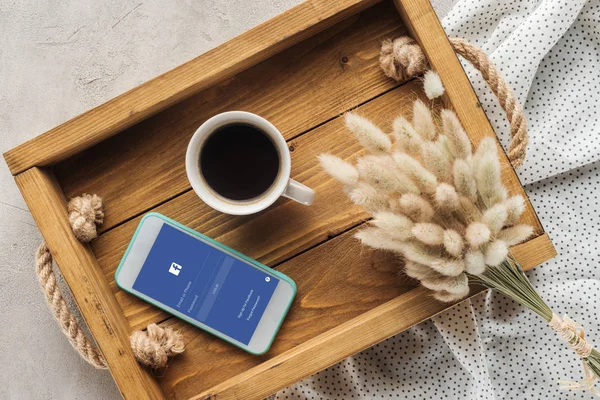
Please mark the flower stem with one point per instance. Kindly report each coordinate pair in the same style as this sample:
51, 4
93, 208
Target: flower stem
509, 279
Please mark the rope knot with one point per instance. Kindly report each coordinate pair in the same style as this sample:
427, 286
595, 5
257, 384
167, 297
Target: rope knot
156, 345
402, 58
85, 213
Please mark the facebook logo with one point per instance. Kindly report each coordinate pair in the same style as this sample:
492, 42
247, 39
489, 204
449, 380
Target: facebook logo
175, 269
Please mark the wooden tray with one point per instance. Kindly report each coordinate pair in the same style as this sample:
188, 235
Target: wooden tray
301, 70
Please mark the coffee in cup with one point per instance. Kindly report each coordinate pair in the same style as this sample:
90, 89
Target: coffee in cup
239, 163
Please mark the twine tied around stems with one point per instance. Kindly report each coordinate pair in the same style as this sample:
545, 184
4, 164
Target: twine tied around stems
574, 335
152, 347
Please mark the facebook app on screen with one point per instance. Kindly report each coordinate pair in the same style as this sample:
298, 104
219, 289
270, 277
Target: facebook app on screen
205, 284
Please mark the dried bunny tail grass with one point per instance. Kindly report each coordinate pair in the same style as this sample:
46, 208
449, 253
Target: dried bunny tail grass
369, 135
416, 208
420, 253
490, 187
495, 253
495, 217
437, 160
446, 297
442, 142
407, 138
453, 223
458, 285
448, 267
383, 159
377, 239
487, 148
474, 262
339, 169
423, 121
453, 242
515, 234
428, 233
367, 196
446, 197
477, 234
395, 225
458, 141
383, 176
394, 205
486, 165
515, 205
468, 210
432, 84
419, 271
424, 179
464, 181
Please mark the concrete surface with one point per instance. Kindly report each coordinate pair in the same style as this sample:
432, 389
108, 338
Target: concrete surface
58, 59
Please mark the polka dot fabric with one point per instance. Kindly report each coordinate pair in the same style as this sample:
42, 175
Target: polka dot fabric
490, 347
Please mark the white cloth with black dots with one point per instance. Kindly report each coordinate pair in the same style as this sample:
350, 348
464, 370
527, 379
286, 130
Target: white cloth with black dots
490, 347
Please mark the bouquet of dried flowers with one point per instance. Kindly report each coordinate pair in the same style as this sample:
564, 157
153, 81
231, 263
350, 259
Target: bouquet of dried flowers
442, 206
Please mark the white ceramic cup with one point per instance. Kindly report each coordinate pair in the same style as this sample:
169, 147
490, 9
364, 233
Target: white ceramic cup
282, 185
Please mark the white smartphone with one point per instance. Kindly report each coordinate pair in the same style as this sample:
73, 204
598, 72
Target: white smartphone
205, 283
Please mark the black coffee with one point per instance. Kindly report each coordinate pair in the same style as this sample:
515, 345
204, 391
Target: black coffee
239, 161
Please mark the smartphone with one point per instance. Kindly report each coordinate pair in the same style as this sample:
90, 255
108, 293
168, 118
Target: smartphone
205, 283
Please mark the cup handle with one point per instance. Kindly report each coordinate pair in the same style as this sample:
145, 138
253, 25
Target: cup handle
299, 192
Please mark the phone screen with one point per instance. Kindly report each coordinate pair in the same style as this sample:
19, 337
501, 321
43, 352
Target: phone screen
205, 283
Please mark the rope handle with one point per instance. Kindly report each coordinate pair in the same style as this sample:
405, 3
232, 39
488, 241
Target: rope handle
152, 347
402, 59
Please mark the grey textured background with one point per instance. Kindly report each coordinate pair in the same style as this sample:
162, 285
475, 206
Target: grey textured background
58, 59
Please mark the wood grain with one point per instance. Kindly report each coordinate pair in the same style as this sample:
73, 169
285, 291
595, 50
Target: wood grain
286, 228
225, 61
534, 251
296, 90
426, 29
90, 289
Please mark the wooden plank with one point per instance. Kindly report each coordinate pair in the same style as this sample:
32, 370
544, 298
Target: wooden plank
225, 61
296, 90
284, 229
353, 282
534, 252
420, 18
91, 292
